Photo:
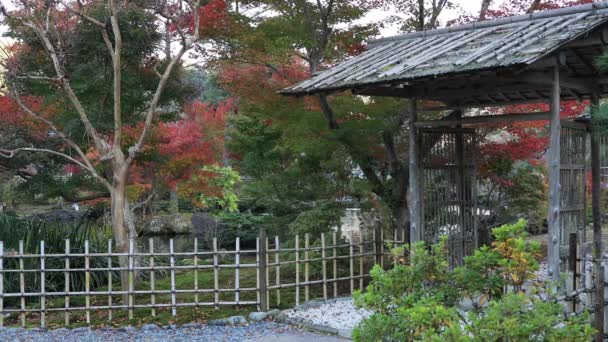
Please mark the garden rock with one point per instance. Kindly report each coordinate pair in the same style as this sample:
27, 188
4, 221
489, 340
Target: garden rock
218, 322
257, 316
192, 326
81, 330
150, 327
172, 224
273, 313
129, 330
237, 320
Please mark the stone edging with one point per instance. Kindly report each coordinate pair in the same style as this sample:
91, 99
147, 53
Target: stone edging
324, 329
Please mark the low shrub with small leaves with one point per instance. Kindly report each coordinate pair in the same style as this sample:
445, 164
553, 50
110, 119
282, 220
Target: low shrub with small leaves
420, 299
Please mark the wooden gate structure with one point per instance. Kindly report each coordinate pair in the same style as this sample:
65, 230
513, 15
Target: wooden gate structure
448, 189
542, 57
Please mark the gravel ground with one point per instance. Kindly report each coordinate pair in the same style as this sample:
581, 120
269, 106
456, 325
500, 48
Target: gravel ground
265, 331
341, 314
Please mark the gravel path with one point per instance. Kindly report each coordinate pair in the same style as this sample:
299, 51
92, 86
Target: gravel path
339, 314
256, 332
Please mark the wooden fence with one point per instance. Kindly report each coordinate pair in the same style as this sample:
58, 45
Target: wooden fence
39, 286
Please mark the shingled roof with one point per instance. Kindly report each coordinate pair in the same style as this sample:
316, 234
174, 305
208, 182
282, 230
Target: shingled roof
493, 44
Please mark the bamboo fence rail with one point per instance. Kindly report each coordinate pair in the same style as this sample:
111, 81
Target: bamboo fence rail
328, 268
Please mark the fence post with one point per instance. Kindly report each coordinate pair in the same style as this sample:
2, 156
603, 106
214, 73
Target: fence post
66, 275
277, 269
324, 266
572, 266
216, 276
335, 264
87, 282
237, 275
378, 245
22, 283
306, 267
130, 279
153, 276
110, 280
42, 287
297, 242
1, 284
262, 270
172, 271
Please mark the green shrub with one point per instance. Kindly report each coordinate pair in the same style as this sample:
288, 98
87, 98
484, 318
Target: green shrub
419, 299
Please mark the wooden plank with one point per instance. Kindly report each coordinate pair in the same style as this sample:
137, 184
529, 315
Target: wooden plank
297, 247
361, 261
471, 120
416, 229
553, 217
110, 280
22, 283
277, 272
153, 277
262, 270
42, 287
216, 276
1, 283
267, 257
196, 299
599, 305
66, 278
87, 282
306, 266
335, 264
351, 264
237, 264
172, 274
131, 277
324, 266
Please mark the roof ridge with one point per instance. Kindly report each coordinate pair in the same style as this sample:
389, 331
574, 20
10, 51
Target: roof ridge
496, 22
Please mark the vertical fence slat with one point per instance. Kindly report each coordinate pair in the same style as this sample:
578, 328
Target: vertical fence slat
153, 277
196, 271
109, 279
1, 284
277, 269
351, 261
262, 266
42, 287
216, 276
335, 262
131, 278
22, 283
237, 265
324, 266
306, 267
87, 282
172, 271
605, 272
66, 276
361, 261
267, 275
297, 247
257, 273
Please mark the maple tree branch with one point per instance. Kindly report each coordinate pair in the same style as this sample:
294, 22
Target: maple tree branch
133, 150
116, 63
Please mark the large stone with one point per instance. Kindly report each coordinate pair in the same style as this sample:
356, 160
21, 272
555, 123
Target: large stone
273, 313
257, 316
218, 322
172, 224
150, 327
237, 320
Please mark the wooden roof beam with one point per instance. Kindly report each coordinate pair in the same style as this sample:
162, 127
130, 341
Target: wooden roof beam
481, 119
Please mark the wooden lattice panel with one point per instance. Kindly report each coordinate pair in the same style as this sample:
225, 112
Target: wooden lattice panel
572, 181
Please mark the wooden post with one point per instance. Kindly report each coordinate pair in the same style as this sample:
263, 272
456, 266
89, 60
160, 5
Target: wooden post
1, 284
351, 263
172, 272
237, 275
597, 226
262, 270
216, 276
324, 266
277, 272
297, 269
87, 282
66, 276
335, 264
42, 287
110, 280
572, 265
131, 278
306, 266
22, 283
378, 247
153, 276
416, 229
196, 272
554, 185
361, 261
267, 257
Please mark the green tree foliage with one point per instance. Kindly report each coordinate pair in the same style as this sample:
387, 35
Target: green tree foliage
418, 301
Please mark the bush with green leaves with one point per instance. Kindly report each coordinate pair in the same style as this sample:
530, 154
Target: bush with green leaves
420, 299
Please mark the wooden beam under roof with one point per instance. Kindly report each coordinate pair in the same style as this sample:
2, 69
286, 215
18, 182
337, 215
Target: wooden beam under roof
471, 120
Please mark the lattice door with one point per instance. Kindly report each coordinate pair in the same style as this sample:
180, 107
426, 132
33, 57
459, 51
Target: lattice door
572, 181
448, 189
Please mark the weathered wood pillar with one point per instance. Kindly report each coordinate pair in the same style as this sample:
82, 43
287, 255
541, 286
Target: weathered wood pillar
416, 228
597, 225
554, 184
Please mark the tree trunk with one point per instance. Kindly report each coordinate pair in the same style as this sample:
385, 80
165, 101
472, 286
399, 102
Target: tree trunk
121, 222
